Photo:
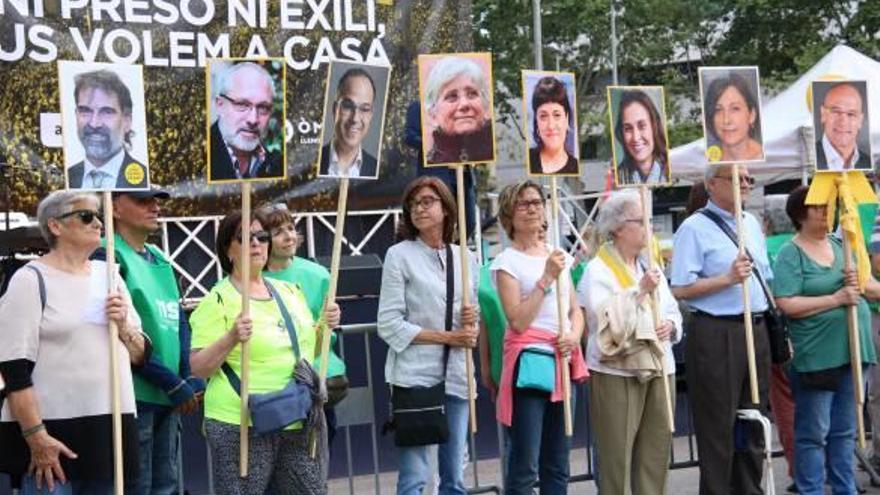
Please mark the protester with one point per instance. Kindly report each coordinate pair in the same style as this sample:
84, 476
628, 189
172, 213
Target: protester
814, 290
640, 131
56, 424
164, 387
627, 352
426, 341
459, 112
553, 125
874, 373
530, 404
707, 272
314, 280
280, 460
733, 118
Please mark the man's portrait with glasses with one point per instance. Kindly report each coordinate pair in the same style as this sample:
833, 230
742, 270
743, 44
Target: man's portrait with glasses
840, 119
106, 130
354, 110
246, 120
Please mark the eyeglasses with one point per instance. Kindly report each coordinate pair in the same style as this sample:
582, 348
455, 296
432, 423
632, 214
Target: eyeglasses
260, 236
639, 221
244, 106
85, 216
349, 106
839, 113
426, 202
743, 179
527, 204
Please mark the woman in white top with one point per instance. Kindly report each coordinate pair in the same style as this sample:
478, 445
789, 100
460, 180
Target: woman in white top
530, 393
627, 354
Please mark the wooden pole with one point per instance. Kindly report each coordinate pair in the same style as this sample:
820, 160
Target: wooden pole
244, 418
465, 293
562, 316
855, 350
647, 214
118, 478
341, 205
747, 308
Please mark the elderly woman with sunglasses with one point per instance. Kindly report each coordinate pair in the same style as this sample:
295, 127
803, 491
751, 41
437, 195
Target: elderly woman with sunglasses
278, 459
56, 424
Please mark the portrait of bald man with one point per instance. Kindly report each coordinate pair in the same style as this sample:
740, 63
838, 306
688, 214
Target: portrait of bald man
840, 114
244, 100
353, 120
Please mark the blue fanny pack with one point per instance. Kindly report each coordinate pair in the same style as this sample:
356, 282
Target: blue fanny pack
537, 370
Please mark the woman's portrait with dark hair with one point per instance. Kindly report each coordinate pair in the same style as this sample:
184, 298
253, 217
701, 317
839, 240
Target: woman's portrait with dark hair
551, 123
638, 122
732, 114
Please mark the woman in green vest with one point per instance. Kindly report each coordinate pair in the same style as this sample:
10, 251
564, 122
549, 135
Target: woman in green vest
278, 459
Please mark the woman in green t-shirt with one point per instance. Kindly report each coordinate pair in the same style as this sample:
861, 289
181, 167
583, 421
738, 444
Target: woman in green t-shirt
814, 291
279, 459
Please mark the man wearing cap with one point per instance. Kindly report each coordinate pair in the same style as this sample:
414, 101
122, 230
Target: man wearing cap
164, 386
103, 126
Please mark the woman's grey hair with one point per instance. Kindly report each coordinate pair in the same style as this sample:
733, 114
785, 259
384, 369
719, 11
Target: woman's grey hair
227, 74
612, 213
58, 203
447, 69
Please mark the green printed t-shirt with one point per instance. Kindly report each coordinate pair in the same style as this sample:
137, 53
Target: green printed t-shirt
820, 341
314, 280
867, 216
271, 355
492, 315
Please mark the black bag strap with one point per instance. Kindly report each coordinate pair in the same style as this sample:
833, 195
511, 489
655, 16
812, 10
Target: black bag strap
291, 332
450, 299
768, 295
42, 285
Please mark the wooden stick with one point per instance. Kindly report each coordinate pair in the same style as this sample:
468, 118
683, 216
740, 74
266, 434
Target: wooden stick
335, 258
562, 317
647, 214
747, 307
855, 350
245, 311
118, 478
465, 293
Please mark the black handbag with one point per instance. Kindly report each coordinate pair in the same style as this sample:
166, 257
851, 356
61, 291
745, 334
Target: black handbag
418, 414
774, 318
275, 411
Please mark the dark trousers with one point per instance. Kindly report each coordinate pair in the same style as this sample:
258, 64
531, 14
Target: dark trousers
730, 450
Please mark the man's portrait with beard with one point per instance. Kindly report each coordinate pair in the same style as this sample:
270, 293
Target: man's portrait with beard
108, 105
354, 113
246, 121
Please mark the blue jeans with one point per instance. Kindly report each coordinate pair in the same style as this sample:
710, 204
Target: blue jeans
824, 436
539, 447
413, 462
158, 433
72, 487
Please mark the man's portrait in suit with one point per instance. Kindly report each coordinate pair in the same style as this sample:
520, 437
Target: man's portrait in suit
103, 110
840, 117
246, 138
353, 119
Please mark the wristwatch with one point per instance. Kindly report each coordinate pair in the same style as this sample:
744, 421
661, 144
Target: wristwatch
544, 287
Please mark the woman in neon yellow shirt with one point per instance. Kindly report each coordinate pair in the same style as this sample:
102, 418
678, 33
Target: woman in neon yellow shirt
280, 459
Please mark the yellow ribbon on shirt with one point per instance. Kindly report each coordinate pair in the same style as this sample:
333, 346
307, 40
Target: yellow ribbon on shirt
849, 189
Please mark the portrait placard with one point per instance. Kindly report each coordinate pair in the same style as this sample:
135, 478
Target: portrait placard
842, 126
246, 108
639, 139
550, 123
457, 114
354, 117
104, 129
731, 103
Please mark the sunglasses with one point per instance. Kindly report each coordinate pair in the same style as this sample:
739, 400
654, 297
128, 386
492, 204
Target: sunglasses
85, 216
260, 236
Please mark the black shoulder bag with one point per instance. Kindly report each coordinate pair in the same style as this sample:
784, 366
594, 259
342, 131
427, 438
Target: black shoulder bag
777, 329
418, 414
275, 411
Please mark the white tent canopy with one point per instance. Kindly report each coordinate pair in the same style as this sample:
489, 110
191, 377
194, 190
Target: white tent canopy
788, 122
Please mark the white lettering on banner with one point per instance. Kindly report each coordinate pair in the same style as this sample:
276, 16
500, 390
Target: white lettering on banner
170, 310
192, 48
50, 130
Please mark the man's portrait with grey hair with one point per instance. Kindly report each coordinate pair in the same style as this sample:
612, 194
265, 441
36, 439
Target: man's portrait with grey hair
108, 117
246, 120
